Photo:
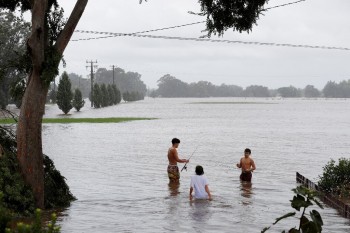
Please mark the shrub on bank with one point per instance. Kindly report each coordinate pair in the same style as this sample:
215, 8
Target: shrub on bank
336, 178
17, 196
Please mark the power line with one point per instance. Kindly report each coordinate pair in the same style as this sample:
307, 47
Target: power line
113, 34
137, 34
166, 28
221, 41
287, 4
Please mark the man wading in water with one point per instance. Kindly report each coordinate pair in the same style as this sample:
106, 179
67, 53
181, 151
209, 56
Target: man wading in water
173, 170
248, 166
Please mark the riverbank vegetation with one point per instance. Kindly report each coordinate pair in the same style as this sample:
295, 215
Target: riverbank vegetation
238, 102
335, 179
16, 197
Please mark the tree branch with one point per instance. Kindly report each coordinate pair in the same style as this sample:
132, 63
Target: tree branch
72, 22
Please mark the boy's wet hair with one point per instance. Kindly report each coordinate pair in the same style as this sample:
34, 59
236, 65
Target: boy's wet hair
199, 170
175, 140
247, 150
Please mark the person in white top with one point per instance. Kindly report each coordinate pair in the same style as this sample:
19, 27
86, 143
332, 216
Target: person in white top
199, 184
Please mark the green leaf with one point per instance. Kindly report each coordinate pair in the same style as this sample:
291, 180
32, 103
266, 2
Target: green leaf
310, 227
317, 219
299, 201
293, 230
283, 217
304, 221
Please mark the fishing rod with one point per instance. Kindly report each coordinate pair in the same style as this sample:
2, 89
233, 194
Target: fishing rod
185, 166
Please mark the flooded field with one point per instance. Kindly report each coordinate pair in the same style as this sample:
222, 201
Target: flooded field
118, 171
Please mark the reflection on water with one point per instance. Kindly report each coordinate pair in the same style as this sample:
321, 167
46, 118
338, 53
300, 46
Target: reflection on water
246, 191
117, 170
200, 211
174, 188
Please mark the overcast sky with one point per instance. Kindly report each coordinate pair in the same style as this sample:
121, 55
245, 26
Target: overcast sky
311, 22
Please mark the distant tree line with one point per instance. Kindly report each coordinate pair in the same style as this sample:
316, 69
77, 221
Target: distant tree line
171, 87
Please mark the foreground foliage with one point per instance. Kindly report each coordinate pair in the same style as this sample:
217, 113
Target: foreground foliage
336, 178
303, 199
36, 227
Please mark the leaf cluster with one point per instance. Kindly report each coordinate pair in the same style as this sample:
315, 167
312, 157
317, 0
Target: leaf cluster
303, 199
23, 5
237, 14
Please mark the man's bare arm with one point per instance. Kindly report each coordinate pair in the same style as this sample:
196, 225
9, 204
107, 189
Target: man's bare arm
207, 190
253, 165
239, 165
191, 190
176, 157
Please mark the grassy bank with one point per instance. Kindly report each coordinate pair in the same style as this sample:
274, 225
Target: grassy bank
231, 103
81, 120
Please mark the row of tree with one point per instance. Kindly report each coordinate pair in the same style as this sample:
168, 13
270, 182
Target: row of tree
104, 96
133, 96
169, 86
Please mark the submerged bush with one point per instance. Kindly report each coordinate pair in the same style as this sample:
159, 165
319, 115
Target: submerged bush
336, 178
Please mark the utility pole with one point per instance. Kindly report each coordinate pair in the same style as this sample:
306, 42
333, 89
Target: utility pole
113, 72
92, 66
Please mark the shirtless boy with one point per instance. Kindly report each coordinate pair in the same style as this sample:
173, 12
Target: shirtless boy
173, 157
248, 166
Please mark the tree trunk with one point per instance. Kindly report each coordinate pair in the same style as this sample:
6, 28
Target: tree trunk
29, 141
29, 137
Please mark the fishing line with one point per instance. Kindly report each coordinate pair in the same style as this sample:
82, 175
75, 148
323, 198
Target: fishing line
185, 166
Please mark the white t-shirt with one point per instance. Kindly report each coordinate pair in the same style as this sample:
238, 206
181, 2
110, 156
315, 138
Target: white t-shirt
198, 183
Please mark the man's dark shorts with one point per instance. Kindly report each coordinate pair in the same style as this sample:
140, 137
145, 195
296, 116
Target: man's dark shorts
246, 176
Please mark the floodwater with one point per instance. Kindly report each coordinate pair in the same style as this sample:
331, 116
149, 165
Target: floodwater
118, 171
